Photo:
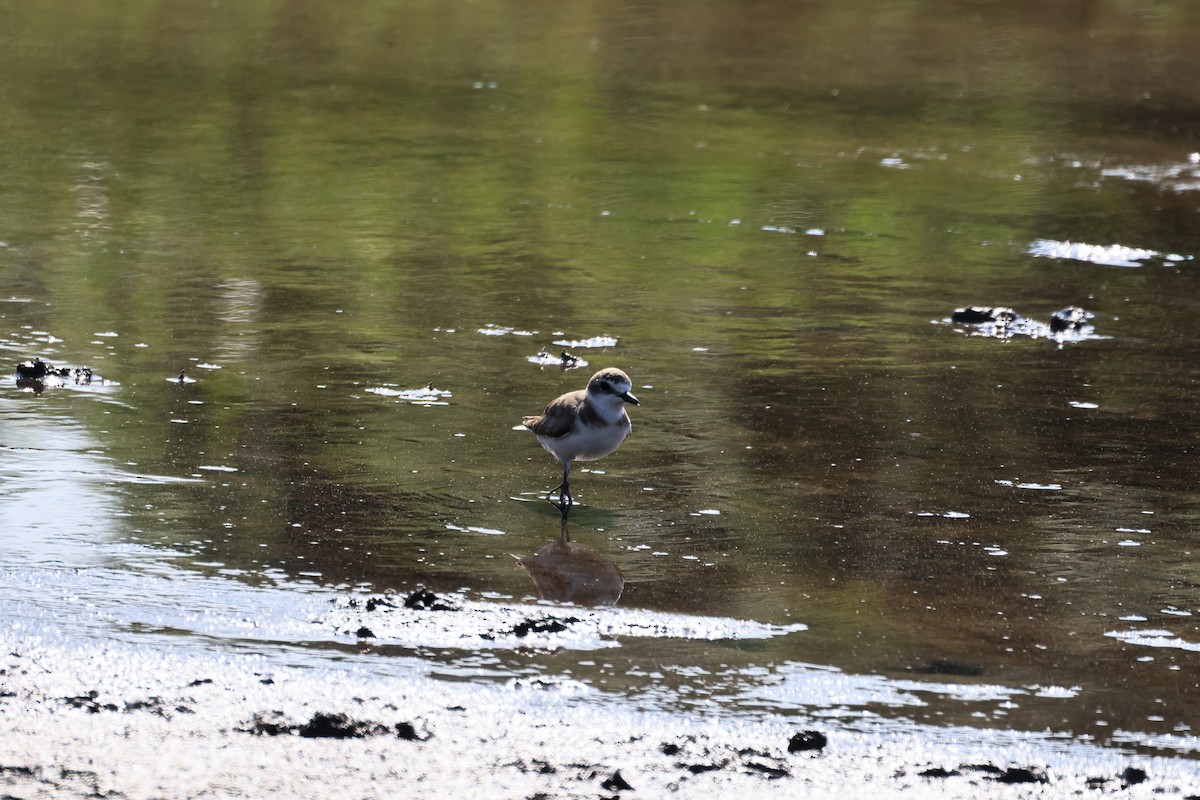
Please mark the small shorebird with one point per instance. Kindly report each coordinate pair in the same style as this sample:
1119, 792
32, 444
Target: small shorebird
584, 425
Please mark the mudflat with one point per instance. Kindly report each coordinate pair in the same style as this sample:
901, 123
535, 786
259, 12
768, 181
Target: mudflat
94, 718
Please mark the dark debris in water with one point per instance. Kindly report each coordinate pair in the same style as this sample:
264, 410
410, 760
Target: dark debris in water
564, 360
999, 322
38, 375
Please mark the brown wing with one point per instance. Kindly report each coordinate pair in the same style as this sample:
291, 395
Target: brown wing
559, 417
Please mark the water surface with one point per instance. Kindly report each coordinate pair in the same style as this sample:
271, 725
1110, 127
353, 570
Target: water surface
771, 210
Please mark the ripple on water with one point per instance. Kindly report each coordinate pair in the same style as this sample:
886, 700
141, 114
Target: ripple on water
800, 686
1044, 487
593, 342
1179, 176
503, 330
1154, 638
424, 396
564, 360
1113, 255
450, 526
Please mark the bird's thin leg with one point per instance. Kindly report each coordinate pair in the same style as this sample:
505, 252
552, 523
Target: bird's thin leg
565, 501
565, 494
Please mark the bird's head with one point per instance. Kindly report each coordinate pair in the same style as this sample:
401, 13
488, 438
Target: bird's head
611, 383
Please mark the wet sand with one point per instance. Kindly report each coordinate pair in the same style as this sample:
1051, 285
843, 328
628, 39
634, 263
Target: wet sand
111, 719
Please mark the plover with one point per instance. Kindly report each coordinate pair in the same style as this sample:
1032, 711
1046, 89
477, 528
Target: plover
584, 425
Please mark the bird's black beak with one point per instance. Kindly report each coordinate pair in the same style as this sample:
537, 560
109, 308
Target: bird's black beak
629, 398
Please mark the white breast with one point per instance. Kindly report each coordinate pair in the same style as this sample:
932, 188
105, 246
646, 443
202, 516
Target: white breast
586, 443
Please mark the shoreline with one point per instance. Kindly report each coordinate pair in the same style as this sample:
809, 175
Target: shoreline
111, 719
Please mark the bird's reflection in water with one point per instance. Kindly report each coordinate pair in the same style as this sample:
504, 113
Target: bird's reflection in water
566, 571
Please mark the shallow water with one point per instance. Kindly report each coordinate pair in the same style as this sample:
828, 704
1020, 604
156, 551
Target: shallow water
359, 229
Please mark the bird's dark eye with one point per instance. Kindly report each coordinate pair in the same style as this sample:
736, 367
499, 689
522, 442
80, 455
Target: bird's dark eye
604, 387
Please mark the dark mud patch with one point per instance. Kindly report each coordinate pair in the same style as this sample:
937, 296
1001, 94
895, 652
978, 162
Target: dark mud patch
420, 600
543, 625
771, 771
324, 725
1036, 775
90, 702
1130, 776
425, 600
616, 783
807, 741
